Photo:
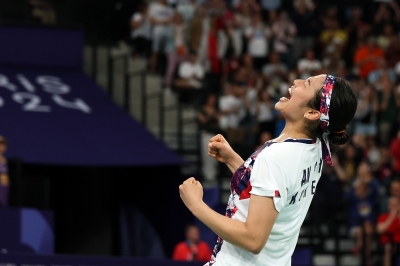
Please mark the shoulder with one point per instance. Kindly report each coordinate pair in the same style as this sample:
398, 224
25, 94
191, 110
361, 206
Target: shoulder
382, 217
203, 244
180, 245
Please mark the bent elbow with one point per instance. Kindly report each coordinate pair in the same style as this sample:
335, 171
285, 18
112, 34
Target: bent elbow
256, 248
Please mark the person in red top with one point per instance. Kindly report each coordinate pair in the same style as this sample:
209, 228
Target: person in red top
192, 249
395, 151
388, 227
367, 56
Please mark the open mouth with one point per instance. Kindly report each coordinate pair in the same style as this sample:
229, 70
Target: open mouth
287, 96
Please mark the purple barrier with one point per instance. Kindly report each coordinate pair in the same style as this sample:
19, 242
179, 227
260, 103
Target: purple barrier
26, 230
61, 260
63, 118
41, 47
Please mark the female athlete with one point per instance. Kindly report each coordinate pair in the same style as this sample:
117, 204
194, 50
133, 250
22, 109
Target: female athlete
272, 190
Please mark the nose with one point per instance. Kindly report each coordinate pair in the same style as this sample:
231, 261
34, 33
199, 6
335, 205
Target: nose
297, 81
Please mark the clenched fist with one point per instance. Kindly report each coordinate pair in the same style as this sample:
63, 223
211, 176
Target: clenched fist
220, 149
191, 192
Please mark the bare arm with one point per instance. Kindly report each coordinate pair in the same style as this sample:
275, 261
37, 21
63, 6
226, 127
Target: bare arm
250, 235
383, 226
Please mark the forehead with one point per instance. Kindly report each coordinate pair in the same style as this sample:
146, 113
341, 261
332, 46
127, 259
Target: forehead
317, 81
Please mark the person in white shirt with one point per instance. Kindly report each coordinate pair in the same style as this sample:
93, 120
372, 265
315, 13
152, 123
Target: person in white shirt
309, 65
232, 109
160, 16
258, 35
141, 31
191, 73
272, 190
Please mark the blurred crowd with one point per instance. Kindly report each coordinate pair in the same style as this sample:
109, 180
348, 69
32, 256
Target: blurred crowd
240, 56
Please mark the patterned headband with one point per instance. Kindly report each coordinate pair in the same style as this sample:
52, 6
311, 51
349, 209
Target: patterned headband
324, 119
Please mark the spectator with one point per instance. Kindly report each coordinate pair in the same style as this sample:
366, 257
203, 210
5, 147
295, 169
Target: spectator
372, 153
251, 73
392, 54
283, 32
357, 29
199, 34
333, 40
304, 18
367, 109
388, 227
387, 13
208, 118
187, 10
231, 109
192, 249
160, 16
382, 68
308, 66
4, 179
43, 11
388, 113
275, 71
191, 73
228, 34
384, 166
258, 35
385, 38
366, 57
395, 152
249, 121
176, 47
141, 32
265, 112
264, 137
346, 168
362, 199
328, 202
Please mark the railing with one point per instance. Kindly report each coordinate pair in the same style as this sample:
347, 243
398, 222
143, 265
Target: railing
145, 95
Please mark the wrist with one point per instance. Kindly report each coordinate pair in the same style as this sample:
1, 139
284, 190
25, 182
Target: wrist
198, 208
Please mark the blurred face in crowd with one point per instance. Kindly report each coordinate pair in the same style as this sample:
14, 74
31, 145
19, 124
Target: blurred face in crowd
364, 173
360, 189
395, 189
349, 152
193, 234
274, 58
192, 58
212, 100
356, 13
178, 18
301, 93
163, 2
310, 54
393, 204
3, 147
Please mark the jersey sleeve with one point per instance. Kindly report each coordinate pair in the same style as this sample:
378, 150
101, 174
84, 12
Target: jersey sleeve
268, 179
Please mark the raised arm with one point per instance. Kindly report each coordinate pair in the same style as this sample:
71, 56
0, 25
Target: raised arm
220, 149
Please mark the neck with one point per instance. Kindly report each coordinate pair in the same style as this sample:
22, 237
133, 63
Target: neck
292, 130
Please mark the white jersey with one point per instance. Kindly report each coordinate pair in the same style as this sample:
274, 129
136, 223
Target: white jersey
287, 171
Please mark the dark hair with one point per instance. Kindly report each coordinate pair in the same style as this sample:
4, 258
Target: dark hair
342, 109
3, 140
188, 226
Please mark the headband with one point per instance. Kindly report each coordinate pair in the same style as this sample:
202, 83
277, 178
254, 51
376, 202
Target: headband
324, 119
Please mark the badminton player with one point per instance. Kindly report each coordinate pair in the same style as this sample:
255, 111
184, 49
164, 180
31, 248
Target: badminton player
272, 190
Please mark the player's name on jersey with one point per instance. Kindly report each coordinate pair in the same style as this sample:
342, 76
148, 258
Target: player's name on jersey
306, 181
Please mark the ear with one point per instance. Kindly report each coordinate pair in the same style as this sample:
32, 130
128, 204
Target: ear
312, 115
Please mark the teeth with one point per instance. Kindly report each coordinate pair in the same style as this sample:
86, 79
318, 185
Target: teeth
290, 90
